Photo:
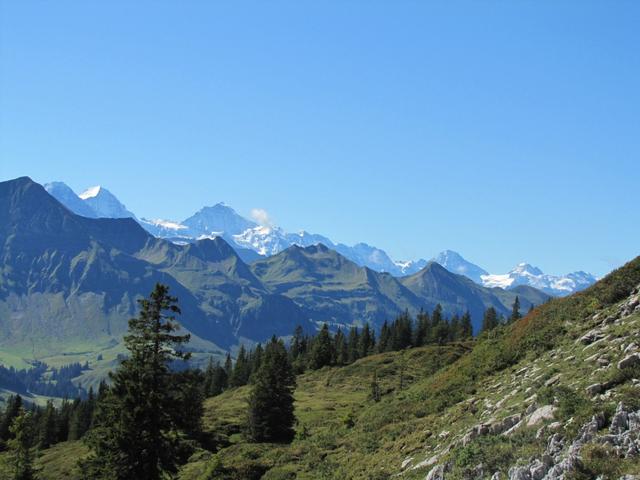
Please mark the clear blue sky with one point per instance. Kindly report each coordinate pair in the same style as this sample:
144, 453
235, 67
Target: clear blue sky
507, 131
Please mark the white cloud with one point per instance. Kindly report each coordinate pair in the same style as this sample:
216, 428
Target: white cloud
261, 216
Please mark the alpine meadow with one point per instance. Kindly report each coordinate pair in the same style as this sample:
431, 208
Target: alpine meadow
427, 268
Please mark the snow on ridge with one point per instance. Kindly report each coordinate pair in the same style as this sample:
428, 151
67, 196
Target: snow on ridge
90, 192
158, 222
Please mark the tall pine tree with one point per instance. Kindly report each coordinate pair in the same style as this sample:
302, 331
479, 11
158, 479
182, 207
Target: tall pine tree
271, 417
140, 419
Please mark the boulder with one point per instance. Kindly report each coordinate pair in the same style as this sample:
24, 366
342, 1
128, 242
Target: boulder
543, 413
552, 381
595, 389
629, 361
590, 337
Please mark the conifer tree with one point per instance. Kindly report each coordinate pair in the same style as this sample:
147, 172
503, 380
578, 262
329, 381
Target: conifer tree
490, 319
340, 348
241, 369
454, 328
366, 343
515, 310
466, 328
21, 446
139, 418
256, 360
439, 326
384, 343
271, 416
375, 387
322, 349
48, 434
228, 365
12, 410
422, 330
353, 344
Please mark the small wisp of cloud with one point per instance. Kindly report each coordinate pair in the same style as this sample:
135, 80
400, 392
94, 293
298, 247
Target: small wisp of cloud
261, 216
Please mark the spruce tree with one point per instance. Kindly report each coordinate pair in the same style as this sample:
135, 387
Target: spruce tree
439, 326
271, 416
490, 319
422, 330
375, 387
241, 369
367, 342
353, 344
384, 343
21, 446
340, 348
322, 349
466, 328
12, 410
515, 310
48, 434
139, 418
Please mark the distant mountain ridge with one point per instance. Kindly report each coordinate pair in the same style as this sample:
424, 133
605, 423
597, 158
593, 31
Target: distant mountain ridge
70, 282
253, 241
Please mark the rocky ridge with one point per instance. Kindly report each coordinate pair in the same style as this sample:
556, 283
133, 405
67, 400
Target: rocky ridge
599, 365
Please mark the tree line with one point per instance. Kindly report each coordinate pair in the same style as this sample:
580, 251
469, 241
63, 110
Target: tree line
324, 348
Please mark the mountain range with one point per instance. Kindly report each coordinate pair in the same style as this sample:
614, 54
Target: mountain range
252, 241
70, 282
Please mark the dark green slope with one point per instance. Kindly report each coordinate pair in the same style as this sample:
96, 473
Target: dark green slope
332, 288
337, 291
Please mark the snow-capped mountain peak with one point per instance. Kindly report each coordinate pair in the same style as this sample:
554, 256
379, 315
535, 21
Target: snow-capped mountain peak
525, 274
220, 220
455, 263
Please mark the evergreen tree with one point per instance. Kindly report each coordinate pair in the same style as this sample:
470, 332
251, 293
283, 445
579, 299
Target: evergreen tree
515, 310
64, 414
353, 344
11, 412
401, 335
271, 417
375, 387
228, 366
208, 378
255, 360
81, 417
422, 330
439, 327
297, 343
340, 348
366, 343
321, 350
48, 434
490, 319
466, 328
454, 328
139, 419
241, 369
384, 343
21, 446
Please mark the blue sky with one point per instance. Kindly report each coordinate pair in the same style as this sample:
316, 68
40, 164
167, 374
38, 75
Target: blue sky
507, 131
